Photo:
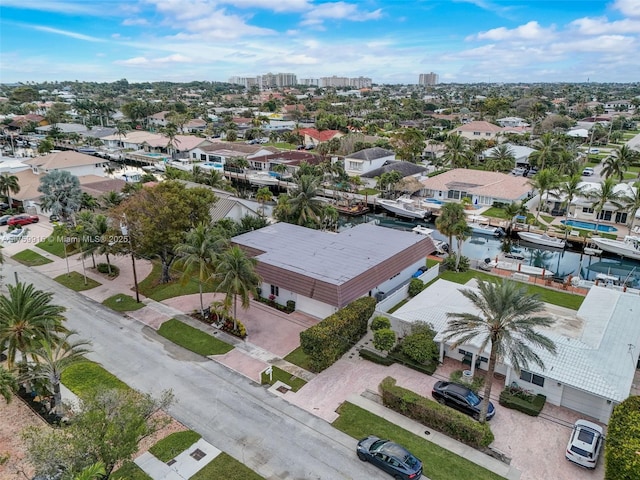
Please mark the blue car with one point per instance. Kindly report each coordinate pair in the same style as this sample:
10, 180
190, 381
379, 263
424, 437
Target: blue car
394, 459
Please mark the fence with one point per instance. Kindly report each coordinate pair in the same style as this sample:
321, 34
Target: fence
401, 293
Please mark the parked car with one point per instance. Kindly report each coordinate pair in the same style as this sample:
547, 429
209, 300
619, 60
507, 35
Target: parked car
585, 443
594, 150
23, 220
390, 457
4, 206
588, 171
54, 218
461, 398
518, 171
4, 219
14, 235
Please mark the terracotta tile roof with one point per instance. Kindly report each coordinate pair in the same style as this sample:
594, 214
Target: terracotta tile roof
478, 126
320, 135
64, 159
479, 182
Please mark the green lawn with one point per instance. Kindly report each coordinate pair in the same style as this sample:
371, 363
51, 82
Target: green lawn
76, 281
368, 191
546, 218
173, 445
193, 339
398, 305
85, 376
439, 464
130, 471
227, 468
432, 263
495, 213
53, 245
151, 287
122, 303
547, 295
30, 258
285, 377
299, 358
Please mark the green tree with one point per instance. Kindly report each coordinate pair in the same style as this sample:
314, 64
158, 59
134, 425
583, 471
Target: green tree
52, 356
409, 144
570, 189
95, 471
27, 317
451, 214
236, 277
384, 339
616, 164
544, 181
263, 195
622, 460
455, 151
507, 324
502, 158
111, 199
157, 218
9, 185
61, 194
306, 207
632, 204
605, 194
462, 231
8, 384
547, 151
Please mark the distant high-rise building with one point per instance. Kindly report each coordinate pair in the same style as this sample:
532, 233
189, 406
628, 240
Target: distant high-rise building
277, 80
310, 82
246, 82
360, 82
334, 81
428, 79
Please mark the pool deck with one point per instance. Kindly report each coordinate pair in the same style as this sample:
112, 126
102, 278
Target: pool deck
621, 230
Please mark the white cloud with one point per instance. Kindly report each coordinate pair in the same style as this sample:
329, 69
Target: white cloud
339, 11
276, 6
153, 62
628, 7
130, 22
67, 33
528, 31
601, 25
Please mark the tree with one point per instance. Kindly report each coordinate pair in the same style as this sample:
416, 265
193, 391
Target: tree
506, 324
409, 144
7, 384
605, 194
52, 356
9, 185
544, 181
616, 164
570, 189
455, 151
306, 207
502, 158
107, 428
92, 472
61, 194
547, 151
632, 204
462, 231
26, 317
450, 215
384, 339
263, 195
198, 253
110, 200
236, 277
157, 218
622, 460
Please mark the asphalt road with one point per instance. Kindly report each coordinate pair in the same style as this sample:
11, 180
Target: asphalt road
272, 437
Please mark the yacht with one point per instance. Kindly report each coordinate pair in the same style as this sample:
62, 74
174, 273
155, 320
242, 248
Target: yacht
441, 247
542, 239
404, 207
262, 178
629, 247
480, 225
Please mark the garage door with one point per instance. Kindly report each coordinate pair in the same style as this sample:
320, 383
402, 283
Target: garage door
582, 402
313, 307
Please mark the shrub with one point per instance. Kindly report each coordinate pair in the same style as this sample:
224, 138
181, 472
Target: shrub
415, 287
450, 263
331, 338
439, 417
384, 339
522, 401
380, 322
375, 358
104, 268
622, 461
419, 345
476, 383
291, 305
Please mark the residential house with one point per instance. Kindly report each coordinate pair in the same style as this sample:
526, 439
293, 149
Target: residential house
75, 163
520, 152
364, 161
227, 205
196, 125
290, 158
512, 122
224, 151
615, 106
597, 347
409, 171
158, 119
477, 130
314, 137
323, 271
483, 188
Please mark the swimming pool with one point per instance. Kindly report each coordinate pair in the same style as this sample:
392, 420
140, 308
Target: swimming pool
212, 166
153, 155
433, 200
588, 226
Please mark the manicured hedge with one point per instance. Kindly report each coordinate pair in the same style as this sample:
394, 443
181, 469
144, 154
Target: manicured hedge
331, 338
622, 461
433, 415
531, 406
375, 358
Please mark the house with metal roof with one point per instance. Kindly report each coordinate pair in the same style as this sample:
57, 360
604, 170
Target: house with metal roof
364, 161
597, 347
324, 271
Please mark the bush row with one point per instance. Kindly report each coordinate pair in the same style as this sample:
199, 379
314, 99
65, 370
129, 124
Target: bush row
331, 338
622, 461
531, 406
433, 415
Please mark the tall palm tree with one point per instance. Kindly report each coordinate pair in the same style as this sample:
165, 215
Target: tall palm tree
52, 356
461, 231
631, 204
263, 195
570, 189
9, 185
305, 204
199, 253
502, 158
26, 317
236, 277
507, 324
603, 195
544, 181
547, 151
616, 164
451, 214
455, 151
8, 384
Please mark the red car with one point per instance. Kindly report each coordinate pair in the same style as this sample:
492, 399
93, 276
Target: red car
23, 220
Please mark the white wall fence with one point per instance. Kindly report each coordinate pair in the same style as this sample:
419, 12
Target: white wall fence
401, 293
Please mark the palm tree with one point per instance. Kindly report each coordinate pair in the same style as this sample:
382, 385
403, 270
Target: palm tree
512, 210
8, 185
603, 195
26, 317
199, 253
544, 181
263, 195
547, 151
451, 214
616, 164
92, 472
52, 356
507, 323
305, 206
461, 231
110, 200
455, 151
632, 204
570, 189
7, 384
502, 158
236, 276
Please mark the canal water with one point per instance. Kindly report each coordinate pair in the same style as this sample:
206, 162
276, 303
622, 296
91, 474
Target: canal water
561, 262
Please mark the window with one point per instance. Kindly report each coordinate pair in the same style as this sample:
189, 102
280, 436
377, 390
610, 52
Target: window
532, 378
203, 157
587, 210
275, 290
477, 134
355, 166
621, 217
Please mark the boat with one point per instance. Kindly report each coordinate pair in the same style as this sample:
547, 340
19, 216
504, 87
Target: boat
480, 225
441, 247
262, 178
522, 268
350, 208
629, 247
592, 251
542, 239
404, 207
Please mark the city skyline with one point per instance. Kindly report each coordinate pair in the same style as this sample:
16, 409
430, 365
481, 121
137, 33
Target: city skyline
464, 41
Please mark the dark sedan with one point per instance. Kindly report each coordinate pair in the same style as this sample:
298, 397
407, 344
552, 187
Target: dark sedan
461, 398
4, 219
21, 220
390, 457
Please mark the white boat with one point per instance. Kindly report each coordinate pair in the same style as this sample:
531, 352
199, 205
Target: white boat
542, 239
592, 251
441, 247
480, 225
262, 178
404, 207
629, 247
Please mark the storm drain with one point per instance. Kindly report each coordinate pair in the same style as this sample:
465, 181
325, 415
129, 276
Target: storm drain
282, 389
198, 454
171, 462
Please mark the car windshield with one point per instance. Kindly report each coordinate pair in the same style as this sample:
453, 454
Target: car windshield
411, 461
377, 444
472, 398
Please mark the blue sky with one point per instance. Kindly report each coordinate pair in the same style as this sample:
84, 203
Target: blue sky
391, 41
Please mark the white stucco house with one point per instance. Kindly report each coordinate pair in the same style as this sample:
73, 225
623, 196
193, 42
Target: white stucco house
521, 153
597, 348
366, 160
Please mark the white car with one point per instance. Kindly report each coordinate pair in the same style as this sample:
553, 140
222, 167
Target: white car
587, 172
594, 150
585, 443
518, 171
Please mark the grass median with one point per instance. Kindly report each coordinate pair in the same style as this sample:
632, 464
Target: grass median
193, 339
277, 374
85, 376
30, 258
173, 445
226, 467
76, 281
122, 303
